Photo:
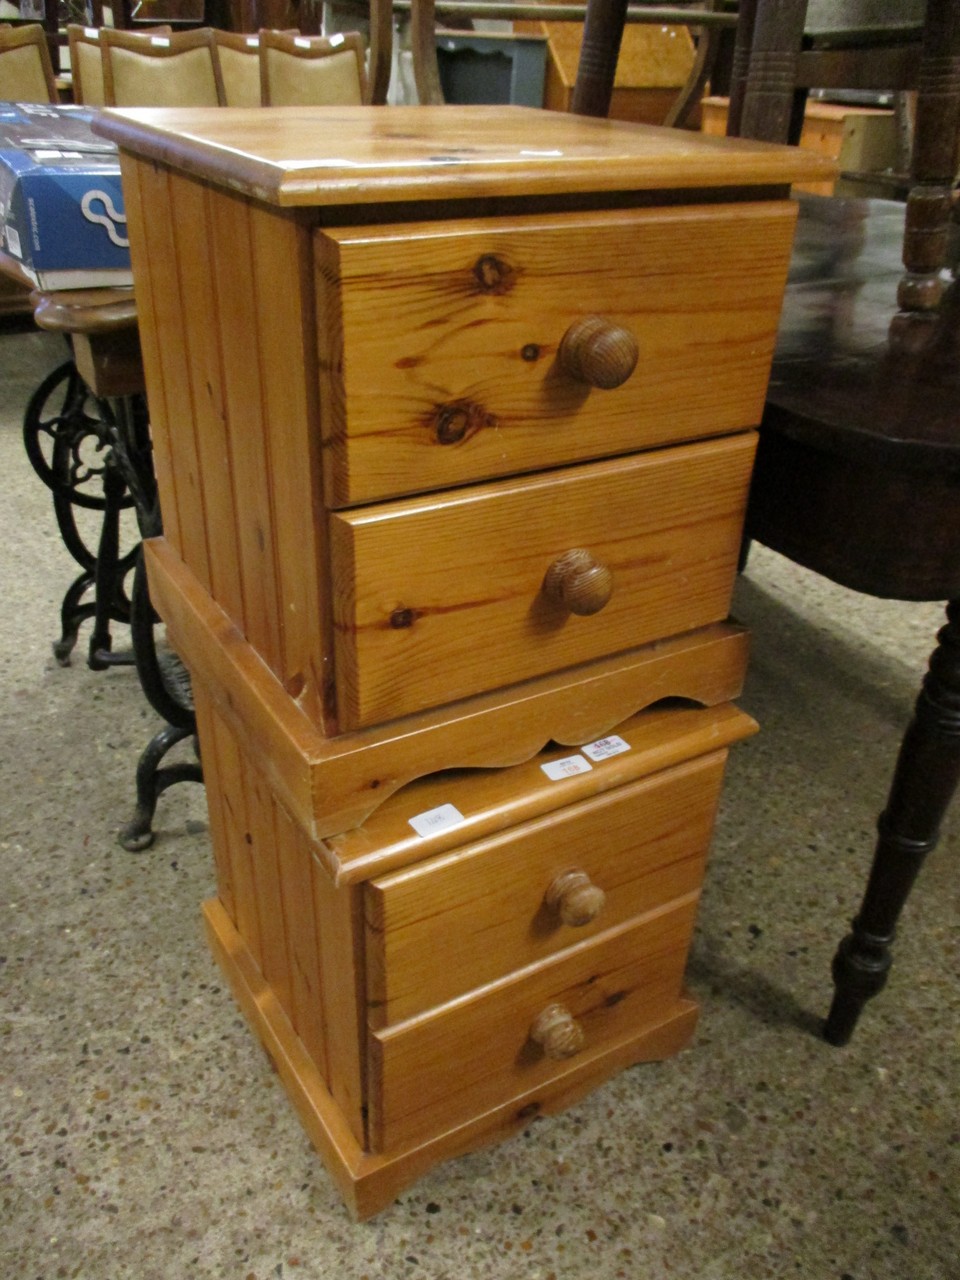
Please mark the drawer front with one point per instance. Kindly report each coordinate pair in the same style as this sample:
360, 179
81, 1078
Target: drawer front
442, 1068
440, 343
528, 893
436, 600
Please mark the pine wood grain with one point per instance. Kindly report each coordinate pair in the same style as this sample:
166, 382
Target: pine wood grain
203, 368
234, 412
492, 800
370, 1181
442, 1068
438, 599
339, 934
178, 427
295, 865
643, 845
303, 935
286, 342
259, 835
407, 374
335, 155
464, 382
255, 548
332, 784
219, 841
227, 787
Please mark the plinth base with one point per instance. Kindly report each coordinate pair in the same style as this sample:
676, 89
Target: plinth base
370, 1181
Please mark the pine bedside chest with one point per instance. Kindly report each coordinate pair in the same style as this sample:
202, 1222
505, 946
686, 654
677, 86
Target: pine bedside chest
452, 411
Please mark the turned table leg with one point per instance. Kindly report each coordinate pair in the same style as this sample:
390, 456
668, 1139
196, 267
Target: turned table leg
926, 776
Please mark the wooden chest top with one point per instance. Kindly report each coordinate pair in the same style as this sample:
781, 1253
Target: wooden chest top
295, 156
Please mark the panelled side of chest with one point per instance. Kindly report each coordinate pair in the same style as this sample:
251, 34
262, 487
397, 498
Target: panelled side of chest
293, 939
226, 311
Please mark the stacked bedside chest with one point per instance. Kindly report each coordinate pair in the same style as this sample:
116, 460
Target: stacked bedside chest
451, 412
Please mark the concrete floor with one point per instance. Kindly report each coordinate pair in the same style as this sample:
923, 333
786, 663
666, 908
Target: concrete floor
146, 1136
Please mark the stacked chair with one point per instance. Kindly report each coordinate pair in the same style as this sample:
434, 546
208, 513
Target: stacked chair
304, 71
26, 71
86, 62
179, 69
238, 53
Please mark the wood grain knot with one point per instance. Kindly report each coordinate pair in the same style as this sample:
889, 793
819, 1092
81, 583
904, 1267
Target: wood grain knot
459, 420
402, 618
493, 275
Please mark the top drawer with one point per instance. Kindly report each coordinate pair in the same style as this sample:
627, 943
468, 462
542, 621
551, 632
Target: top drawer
440, 358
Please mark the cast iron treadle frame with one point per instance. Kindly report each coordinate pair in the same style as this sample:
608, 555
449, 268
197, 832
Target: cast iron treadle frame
95, 456
166, 685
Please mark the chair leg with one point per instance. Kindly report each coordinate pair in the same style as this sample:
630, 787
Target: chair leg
599, 52
925, 779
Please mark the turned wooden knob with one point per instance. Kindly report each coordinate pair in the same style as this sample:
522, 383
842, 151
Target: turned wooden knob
557, 1032
598, 352
578, 582
575, 898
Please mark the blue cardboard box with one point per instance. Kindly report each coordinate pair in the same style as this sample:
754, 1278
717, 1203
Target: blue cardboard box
61, 203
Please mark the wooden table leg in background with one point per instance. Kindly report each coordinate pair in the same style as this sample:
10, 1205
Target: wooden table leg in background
924, 783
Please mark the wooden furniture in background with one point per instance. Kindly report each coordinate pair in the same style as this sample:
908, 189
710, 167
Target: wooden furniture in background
102, 327
297, 70
880, 49
707, 19
26, 71
655, 63
86, 62
862, 140
859, 458
507, 519
131, 15
86, 65
47, 14
857, 466
83, 444
238, 53
16, 288
160, 70
480, 67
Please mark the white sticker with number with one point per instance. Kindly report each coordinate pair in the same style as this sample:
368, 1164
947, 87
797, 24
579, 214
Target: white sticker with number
442, 818
604, 747
566, 768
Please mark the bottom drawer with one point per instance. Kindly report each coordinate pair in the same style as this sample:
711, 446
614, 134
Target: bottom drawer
443, 1067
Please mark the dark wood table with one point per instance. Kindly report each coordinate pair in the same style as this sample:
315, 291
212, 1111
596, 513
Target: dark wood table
858, 478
